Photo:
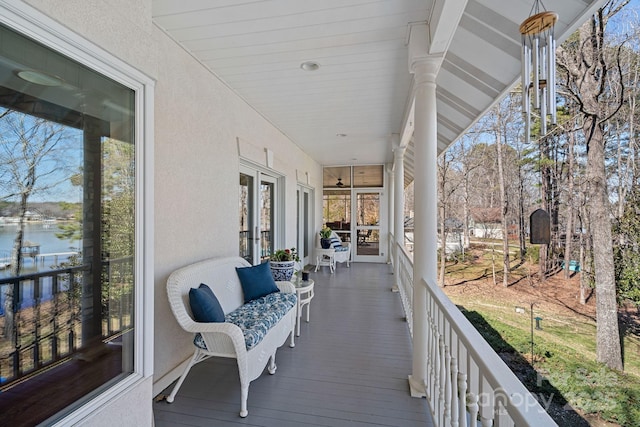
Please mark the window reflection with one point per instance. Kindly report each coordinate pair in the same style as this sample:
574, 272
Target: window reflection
67, 198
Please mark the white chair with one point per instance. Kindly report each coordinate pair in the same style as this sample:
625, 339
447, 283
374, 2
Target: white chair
342, 254
339, 252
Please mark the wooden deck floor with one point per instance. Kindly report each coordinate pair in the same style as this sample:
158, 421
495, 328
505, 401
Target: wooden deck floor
349, 366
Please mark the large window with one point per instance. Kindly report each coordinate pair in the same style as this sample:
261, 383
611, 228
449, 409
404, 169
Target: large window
67, 181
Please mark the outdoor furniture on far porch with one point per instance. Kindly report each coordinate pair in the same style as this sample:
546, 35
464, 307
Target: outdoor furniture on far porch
338, 252
343, 250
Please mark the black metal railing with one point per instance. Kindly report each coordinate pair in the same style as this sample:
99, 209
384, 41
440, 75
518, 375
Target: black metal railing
41, 315
117, 301
246, 244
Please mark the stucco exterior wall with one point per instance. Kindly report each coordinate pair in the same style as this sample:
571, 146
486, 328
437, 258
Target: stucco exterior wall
199, 126
133, 408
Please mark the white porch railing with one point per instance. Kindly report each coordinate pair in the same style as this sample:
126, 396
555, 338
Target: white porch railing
465, 379
405, 281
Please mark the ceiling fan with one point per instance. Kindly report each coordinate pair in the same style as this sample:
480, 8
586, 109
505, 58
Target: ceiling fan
339, 183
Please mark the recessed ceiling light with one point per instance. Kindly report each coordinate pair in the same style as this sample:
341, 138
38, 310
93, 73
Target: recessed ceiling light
40, 78
310, 66
341, 135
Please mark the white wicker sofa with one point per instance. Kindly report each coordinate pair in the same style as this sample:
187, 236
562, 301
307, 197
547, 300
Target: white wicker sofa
255, 341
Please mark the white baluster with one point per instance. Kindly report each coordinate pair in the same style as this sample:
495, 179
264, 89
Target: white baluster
472, 404
430, 369
434, 372
447, 387
462, 399
442, 378
486, 422
436, 398
487, 403
430, 373
501, 415
454, 393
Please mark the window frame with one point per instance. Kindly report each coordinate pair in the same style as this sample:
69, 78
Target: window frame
260, 173
32, 23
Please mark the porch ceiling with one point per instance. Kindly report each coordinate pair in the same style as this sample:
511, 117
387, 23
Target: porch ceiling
346, 111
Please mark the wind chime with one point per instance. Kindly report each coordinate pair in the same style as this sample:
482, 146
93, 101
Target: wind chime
538, 67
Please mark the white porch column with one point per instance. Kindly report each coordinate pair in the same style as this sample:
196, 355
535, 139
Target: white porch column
388, 169
425, 69
398, 207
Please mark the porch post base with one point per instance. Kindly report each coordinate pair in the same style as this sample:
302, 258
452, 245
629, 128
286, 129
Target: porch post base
417, 388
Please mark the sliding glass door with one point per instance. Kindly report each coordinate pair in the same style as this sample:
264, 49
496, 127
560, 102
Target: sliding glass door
304, 231
257, 214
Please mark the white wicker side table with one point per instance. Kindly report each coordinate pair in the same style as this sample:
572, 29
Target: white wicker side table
325, 257
304, 292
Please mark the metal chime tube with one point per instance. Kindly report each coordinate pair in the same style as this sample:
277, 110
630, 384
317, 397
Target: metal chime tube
527, 127
543, 88
526, 75
551, 76
535, 57
538, 68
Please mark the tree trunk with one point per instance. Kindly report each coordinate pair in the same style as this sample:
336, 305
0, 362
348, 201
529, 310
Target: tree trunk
16, 267
443, 246
608, 350
442, 196
493, 263
465, 214
568, 245
504, 208
521, 218
583, 274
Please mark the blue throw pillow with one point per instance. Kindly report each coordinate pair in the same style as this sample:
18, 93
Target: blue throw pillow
204, 305
256, 281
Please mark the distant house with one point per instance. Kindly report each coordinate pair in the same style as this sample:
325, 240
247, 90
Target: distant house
33, 216
455, 236
485, 223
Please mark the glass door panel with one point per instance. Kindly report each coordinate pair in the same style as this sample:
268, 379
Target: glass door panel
257, 214
304, 232
267, 202
367, 216
246, 214
337, 212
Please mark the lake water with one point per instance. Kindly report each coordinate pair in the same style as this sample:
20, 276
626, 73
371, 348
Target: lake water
40, 233
44, 235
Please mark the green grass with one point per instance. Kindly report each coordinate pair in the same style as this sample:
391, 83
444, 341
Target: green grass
564, 359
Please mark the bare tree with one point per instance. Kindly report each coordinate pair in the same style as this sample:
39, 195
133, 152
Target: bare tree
31, 154
447, 186
569, 230
468, 164
32, 161
585, 63
504, 204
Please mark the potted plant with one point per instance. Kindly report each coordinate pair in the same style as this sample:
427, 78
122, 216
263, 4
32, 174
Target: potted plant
283, 262
325, 237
